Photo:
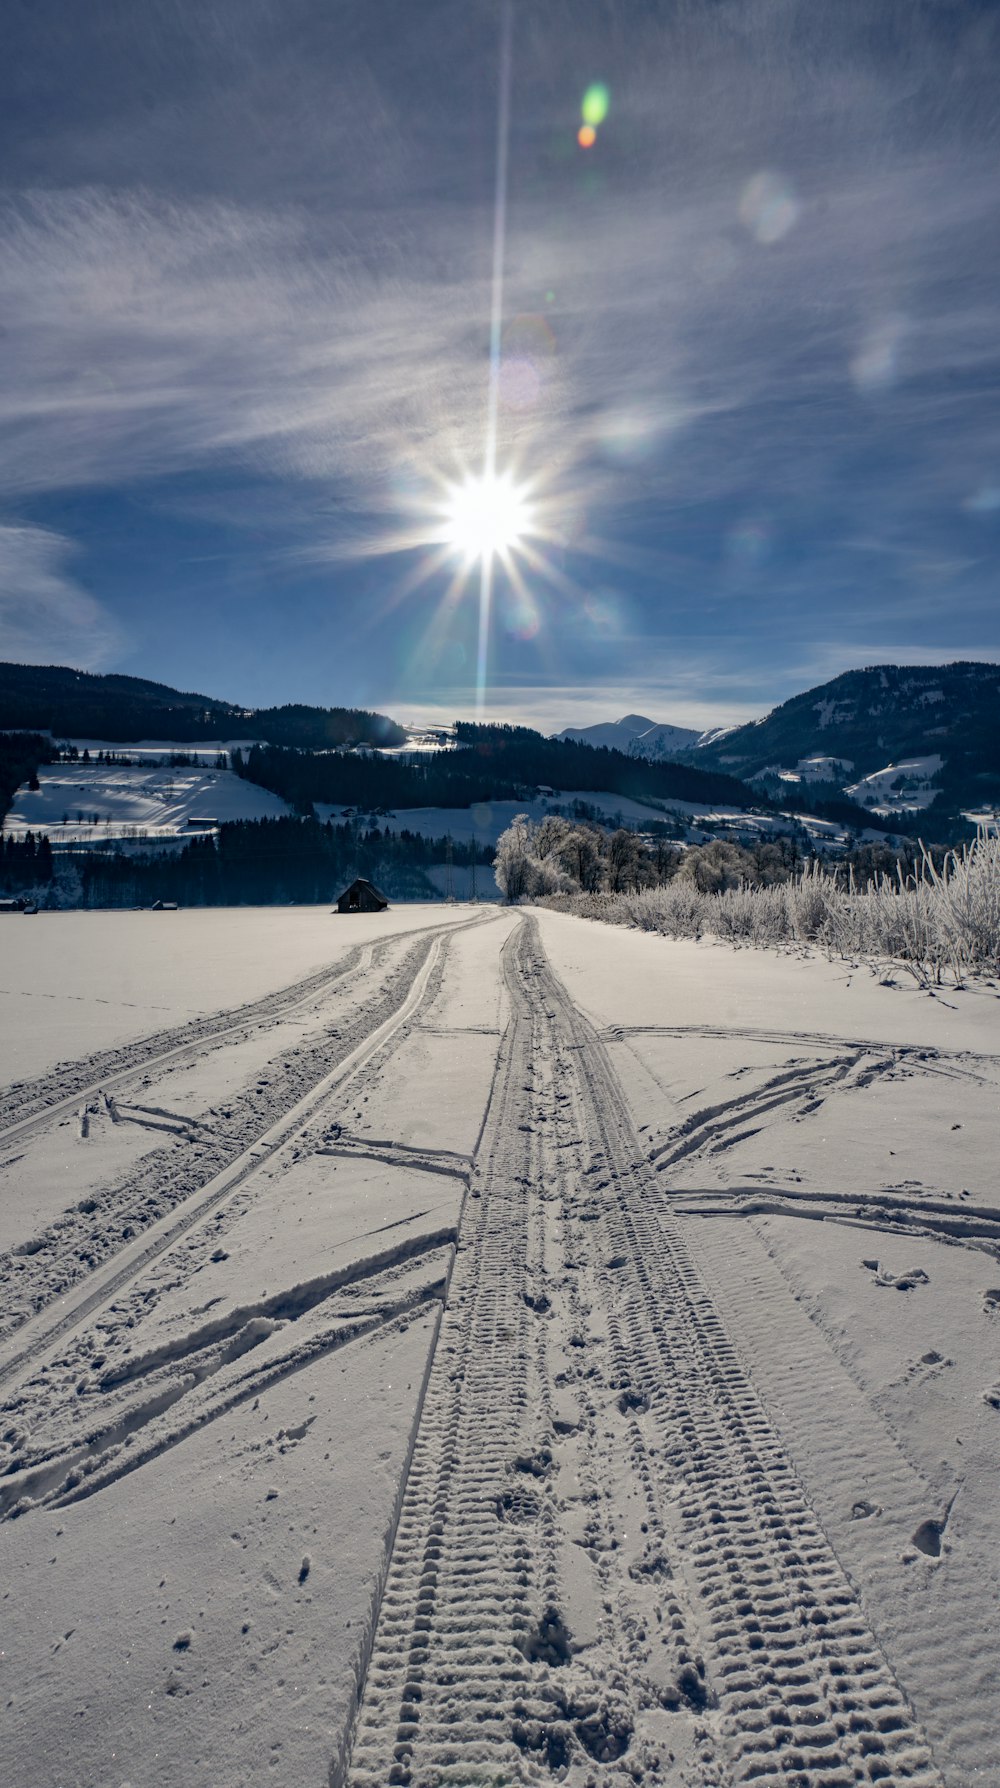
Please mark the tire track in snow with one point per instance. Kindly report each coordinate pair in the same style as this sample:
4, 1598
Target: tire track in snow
365, 1295
474, 1676
802, 1683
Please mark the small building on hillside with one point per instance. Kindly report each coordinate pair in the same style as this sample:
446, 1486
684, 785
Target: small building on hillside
362, 897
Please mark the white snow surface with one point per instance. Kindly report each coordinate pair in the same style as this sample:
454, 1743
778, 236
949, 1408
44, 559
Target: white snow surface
101, 801
487, 819
813, 769
689, 1443
75, 982
905, 787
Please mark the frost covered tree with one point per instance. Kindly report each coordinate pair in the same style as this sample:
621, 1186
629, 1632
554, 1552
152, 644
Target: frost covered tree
716, 866
514, 862
623, 861
528, 860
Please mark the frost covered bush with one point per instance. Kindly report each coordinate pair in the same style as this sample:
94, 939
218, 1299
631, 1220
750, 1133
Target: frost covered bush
939, 923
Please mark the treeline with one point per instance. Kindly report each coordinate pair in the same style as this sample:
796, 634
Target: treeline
77, 704
843, 812
256, 863
21, 754
938, 921
324, 729
25, 863
494, 764
560, 856
523, 757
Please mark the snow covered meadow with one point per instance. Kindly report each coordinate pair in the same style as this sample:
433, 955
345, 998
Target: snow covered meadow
467, 1344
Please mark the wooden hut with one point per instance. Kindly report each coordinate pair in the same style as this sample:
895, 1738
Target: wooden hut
362, 897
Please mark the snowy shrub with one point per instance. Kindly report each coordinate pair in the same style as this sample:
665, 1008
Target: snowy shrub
937, 922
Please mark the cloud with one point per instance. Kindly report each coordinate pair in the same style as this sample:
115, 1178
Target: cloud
750, 331
45, 616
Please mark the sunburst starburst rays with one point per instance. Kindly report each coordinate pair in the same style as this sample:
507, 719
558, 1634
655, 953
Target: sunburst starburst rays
486, 517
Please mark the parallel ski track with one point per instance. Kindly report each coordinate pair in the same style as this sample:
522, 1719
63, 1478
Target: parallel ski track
458, 1689
107, 1070
33, 1342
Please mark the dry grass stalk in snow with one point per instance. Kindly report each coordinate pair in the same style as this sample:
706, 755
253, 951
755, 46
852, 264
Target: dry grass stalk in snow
939, 923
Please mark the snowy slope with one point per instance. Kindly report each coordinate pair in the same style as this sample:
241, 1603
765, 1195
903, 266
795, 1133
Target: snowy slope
899, 788
697, 822
879, 720
99, 801
812, 769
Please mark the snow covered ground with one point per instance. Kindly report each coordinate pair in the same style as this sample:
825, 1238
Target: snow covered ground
88, 803
487, 819
73, 982
700, 822
91, 803
485, 1346
906, 787
812, 769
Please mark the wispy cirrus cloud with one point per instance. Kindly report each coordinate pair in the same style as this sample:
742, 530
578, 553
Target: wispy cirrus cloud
43, 610
759, 356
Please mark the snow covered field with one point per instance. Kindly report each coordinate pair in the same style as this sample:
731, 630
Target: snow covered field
482, 1346
905, 787
485, 821
87, 803
91, 803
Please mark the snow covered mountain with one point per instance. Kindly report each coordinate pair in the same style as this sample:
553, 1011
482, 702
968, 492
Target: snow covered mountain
635, 735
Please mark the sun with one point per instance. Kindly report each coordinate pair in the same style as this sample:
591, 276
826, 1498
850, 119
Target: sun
486, 517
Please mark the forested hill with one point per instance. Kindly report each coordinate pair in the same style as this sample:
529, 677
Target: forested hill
74, 704
881, 716
493, 763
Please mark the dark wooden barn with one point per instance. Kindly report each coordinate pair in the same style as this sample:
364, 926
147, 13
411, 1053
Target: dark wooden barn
362, 897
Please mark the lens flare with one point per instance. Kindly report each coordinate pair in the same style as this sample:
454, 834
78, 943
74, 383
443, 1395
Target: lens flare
520, 383
522, 619
984, 501
769, 208
596, 100
876, 365
486, 517
586, 136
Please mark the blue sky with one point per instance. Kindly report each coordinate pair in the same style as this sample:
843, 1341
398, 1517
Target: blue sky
750, 351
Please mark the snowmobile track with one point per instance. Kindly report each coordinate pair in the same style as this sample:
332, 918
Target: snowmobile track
473, 1677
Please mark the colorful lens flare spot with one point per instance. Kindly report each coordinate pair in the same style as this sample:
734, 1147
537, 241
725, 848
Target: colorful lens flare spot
769, 207
748, 544
602, 610
522, 619
520, 383
876, 365
586, 136
594, 109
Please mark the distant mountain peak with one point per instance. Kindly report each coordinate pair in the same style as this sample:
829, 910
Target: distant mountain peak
636, 735
635, 723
